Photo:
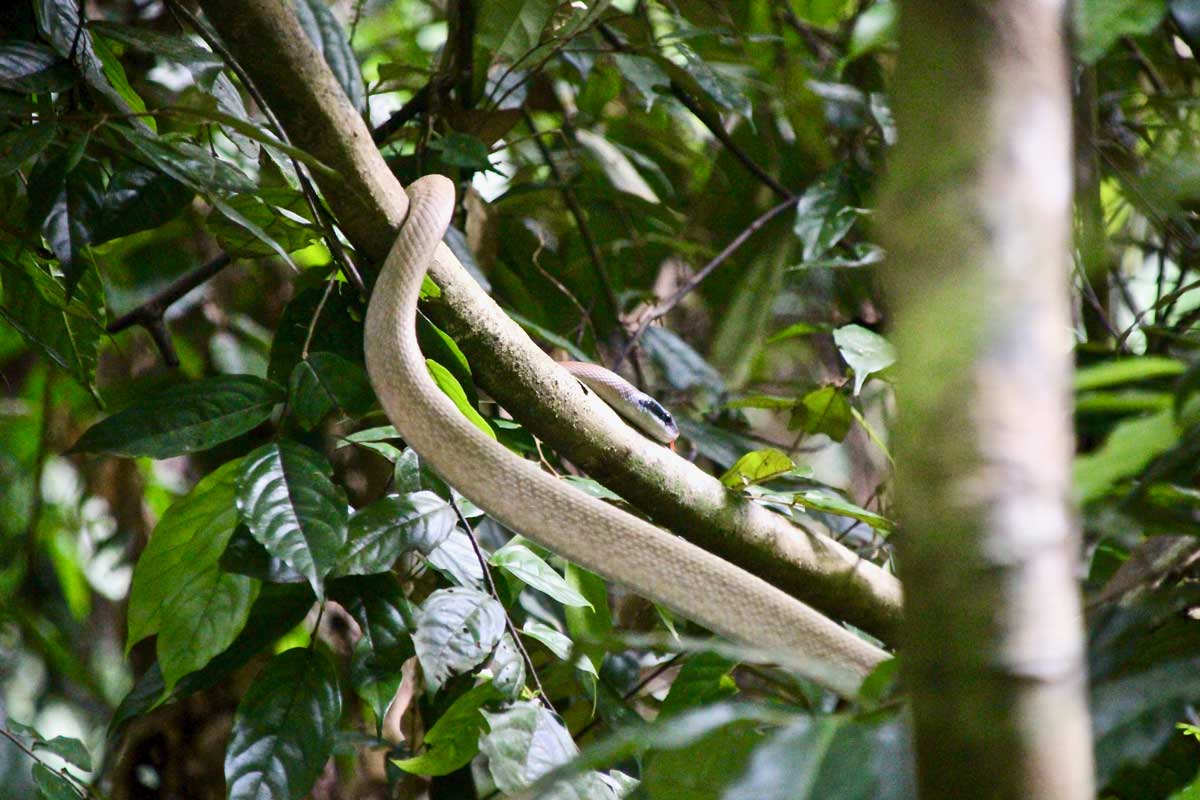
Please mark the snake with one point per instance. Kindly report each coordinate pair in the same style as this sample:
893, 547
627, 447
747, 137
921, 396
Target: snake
638, 408
585, 530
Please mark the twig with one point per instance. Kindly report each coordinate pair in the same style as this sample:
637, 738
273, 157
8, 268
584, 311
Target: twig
150, 313
714, 125
585, 230
642, 684
417, 104
76, 784
1137, 320
665, 307
508, 623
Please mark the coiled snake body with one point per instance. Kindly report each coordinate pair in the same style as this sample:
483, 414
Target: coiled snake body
648, 560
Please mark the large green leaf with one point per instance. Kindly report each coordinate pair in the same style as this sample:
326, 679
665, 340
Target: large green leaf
178, 589
185, 419
512, 28
380, 532
285, 728
287, 499
325, 381
454, 739
456, 631
32, 68
525, 565
704, 679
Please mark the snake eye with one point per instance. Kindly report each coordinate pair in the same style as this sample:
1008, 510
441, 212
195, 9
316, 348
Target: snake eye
655, 409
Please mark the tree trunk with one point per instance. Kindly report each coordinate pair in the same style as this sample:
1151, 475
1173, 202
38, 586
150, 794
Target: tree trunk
976, 220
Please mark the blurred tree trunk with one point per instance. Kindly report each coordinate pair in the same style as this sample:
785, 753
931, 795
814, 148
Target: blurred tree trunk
977, 220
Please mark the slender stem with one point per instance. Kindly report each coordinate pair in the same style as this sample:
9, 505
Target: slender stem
508, 622
666, 306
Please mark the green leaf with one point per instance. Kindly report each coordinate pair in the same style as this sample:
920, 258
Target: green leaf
823, 216
115, 73
51, 785
796, 330
454, 390
184, 419
523, 743
337, 329
865, 351
456, 559
704, 768
279, 215
463, 150
287, 499
24, 144
285, 728
830, 503
68, 749
704, 679
137, 198
326, 34
525, 565
588, 624
512, 28
833, 756
681, 366
31, 68
377, 603
245, 555
178, 589
558, 644
825, 410
374, 681
1100, 23
767, 401
454, 739
1126, 370
324, 381
382, 531
456, 631
757, 467
1129, 448
35, 304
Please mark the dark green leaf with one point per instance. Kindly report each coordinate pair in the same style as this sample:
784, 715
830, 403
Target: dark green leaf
323, 30
138, 198
704, 679
184, 419
245, 555
374, 680
380, 532
68, 749
454, 739
35, 304
178, 589
26, 142
51, 785
704, 768
463, 150
325, 381
381, 610
823, 216
287, 499
31, 68
285, 728
512, 28
681, 366
456, 631
338, 329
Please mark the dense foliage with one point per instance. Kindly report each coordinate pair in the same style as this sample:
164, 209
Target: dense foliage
223, 574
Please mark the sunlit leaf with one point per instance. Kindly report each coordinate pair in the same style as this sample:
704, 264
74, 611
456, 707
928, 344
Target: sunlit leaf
456, 631
526, 566
865, 351
454, 739
757, 467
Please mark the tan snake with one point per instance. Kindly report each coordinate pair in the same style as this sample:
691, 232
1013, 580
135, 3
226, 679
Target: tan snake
623, 548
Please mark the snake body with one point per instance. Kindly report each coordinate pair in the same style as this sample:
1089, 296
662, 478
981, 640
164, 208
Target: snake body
644, 558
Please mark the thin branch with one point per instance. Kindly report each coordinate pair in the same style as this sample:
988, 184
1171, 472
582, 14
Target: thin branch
417, 104
76, 784
712, 123
508, 623
666, 306
572, 203
150, 313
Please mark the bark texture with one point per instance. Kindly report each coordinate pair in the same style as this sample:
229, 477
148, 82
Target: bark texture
977, 221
